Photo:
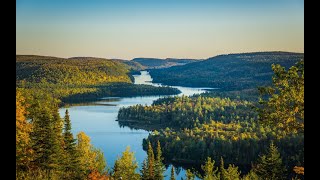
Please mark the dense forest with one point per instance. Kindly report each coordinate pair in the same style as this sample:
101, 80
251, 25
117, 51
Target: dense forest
45, 146
70, 71
81, 79
227, 72
191, 129
155, 63
250, 135
46, 149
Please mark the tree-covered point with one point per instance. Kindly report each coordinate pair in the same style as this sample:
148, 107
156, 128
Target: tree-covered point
228, 72
187, 112
238, 143
120, 90
82, 79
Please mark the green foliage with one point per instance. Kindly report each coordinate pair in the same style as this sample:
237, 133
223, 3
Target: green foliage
251, 176
151, 161
94, 93
229, 174
77, 71
191, 129
190, 175
227, 72
145, 171
187, 112
159, 167
46, 136
79, 79
210, 172
282, 104
269, 166
71, 159
125, 166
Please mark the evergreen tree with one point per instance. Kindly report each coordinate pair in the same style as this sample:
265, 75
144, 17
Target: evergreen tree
144, 171
270, 165
251, 176
229, 174
190, 175
172, 176
71, 159
150, 161
210, 172
159, 167
46, 136
125, 166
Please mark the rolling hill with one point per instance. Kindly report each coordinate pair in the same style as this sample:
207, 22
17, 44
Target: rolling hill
228, 72
77, 70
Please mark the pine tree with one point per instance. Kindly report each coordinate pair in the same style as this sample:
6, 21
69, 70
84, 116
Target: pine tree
72, 156
172, 177
159, 167
211, 173
229, 174
150, 161
144, 171
190, 175
251, 176
46, 136
270, 165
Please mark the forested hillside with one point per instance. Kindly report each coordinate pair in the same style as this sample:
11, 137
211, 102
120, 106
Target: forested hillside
155, 63
70, 71
193, 128
81, 79
228, 72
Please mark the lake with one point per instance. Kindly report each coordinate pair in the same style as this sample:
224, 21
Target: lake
98, 120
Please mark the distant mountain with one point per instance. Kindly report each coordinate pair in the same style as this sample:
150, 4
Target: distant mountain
228, 72
155, 63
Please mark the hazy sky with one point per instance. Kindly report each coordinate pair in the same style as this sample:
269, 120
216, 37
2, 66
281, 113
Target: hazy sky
158, 28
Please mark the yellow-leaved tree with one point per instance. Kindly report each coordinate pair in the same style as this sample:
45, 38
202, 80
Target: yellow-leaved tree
23, 129
91, 159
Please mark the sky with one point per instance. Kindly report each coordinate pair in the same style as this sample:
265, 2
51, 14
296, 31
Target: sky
126, 29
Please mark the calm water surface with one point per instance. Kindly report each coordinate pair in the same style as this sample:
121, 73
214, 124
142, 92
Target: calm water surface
98, 121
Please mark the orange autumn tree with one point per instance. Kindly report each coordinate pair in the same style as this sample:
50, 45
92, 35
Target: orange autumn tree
23, 129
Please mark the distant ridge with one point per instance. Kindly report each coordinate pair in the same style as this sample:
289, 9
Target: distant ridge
157, 63
228, 71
